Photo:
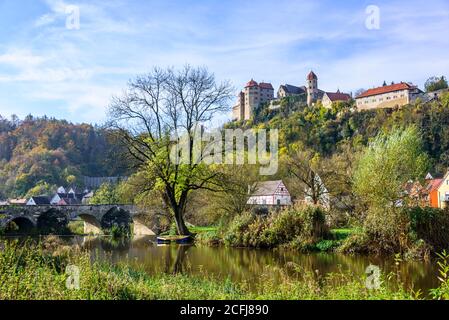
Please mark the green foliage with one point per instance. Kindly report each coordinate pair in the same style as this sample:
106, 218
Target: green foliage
328, 245
291, 227
106, 194
431, 226
76, 227
118, 232
435, 83
391, 160
442, 292
42, 188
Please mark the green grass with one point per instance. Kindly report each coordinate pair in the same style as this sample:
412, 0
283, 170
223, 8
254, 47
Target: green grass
38, 272
342, 234
203, 229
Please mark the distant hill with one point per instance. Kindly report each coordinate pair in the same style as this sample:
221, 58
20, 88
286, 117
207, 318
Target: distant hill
53, 152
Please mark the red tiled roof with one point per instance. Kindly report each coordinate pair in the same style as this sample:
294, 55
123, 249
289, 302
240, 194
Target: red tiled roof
386, 89
264, 85
434, 184
312, 76
338, 96
252, 83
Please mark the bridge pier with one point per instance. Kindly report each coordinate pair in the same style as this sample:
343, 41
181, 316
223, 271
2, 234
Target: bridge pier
140, 229
91, 225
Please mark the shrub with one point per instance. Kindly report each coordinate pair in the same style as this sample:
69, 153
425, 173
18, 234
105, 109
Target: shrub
289, 227
430, 225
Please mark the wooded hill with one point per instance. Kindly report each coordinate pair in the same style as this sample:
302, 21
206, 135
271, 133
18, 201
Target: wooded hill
40, 153
331, 131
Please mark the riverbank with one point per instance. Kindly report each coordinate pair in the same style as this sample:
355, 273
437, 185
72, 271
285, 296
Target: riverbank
39, 272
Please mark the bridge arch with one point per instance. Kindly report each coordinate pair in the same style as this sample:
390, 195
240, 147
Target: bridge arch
117, 217
19, 225
140, 223
91, 224
52, 221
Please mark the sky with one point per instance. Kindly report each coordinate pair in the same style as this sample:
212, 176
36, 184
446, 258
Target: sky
50, 65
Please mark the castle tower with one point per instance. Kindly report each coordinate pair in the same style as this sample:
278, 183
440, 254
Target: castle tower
252, 95
312, 88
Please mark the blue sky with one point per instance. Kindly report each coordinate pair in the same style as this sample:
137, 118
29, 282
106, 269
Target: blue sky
46, 68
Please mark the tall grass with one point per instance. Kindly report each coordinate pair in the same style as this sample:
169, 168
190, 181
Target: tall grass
37, 271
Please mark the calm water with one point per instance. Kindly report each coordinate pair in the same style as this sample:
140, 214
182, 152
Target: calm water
246, 265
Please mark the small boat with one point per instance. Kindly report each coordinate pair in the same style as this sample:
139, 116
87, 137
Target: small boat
174, 239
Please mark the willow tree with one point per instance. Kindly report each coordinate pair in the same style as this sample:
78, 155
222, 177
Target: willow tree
151, 115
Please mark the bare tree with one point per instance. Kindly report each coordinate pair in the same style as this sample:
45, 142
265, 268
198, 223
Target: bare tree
157, 107
306, 169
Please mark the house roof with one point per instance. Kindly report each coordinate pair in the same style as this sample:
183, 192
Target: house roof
69, 201
386, 89
41, 200
312, 76
251, 83
338, 96
434, 184
18, 201
266, 85
266, 188
293, 89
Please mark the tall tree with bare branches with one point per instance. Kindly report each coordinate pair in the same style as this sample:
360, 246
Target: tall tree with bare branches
155, 109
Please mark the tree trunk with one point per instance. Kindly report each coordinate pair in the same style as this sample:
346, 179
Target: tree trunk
180, 223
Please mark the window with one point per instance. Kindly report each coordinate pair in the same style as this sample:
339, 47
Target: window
278, 202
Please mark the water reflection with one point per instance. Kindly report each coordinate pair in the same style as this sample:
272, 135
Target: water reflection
244, 265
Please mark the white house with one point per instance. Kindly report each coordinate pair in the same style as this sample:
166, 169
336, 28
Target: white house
270, 193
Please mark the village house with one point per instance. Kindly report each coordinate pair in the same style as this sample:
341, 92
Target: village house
270, 193
38, 201
17, 202
253, 95
330, 97
438, 192
63, 198
388, 96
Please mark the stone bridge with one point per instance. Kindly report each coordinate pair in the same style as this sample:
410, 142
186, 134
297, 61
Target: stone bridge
96, 217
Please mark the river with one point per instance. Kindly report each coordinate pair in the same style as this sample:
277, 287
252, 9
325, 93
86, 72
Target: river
246, 265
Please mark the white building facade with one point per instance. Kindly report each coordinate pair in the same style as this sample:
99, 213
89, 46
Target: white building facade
270, 193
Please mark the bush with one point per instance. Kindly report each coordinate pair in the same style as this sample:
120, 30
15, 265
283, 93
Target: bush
413, 232
291, 227
430, 225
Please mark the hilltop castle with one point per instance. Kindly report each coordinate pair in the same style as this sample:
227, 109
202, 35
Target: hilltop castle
255, 94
